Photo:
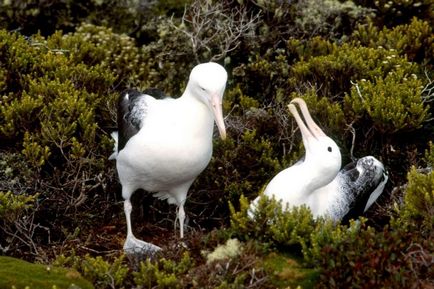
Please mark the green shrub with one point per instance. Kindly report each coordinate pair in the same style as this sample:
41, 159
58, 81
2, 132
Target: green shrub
100, 46
413, 40
17, 225
242, 166
396, 256
334, 72
54, 112
419, 200
102, 273
370, 259
164, 273
12, 206
393, 103
270, 223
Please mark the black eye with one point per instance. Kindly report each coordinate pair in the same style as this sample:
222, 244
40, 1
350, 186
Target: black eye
329, 149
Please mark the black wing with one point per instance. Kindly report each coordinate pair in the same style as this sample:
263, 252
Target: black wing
132, 109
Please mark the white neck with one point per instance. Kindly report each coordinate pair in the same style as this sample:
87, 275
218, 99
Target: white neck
197, 114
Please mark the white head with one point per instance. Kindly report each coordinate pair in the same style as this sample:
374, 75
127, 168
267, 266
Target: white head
207, 83
322, 154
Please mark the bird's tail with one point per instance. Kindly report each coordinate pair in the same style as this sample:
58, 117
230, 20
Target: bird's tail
115, 148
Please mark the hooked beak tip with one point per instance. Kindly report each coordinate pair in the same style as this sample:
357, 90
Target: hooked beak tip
223, 135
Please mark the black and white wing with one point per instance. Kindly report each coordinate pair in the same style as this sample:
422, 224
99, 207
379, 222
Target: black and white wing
363, 182
131, 115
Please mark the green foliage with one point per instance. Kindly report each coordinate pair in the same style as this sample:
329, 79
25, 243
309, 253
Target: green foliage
393, 103
269, 222
334, 80
429, 154
419, 200
166, 69
327, 233
97, 45
359, 260
346, 255
355, 255
100, 272
330, 115
164, 273
287, 271
414, 40
12, 206
335, 71
15, 273
264, 76
54, 111
250, 156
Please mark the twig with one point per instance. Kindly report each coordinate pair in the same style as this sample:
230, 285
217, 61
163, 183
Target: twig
358, 90
210, 26
353, 140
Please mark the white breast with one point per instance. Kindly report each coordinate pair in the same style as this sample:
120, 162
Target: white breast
171, 148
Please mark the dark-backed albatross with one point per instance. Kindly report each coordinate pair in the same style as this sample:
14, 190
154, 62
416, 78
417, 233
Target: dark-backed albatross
163, 144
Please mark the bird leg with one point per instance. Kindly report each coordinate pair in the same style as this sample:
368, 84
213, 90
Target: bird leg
181, 218
133, 245
127, 209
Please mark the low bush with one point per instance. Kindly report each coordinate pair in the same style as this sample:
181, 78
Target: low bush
398, 256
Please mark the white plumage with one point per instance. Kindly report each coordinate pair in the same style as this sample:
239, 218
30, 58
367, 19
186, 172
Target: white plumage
164, 144
318, 182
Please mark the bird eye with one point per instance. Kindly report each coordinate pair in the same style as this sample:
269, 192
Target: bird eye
329, 149
201, 88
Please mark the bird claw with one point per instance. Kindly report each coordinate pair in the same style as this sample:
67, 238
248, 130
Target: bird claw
135, 246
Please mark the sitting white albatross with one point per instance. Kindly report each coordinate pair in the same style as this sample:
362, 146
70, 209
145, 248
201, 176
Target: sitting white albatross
163, 144
316, 180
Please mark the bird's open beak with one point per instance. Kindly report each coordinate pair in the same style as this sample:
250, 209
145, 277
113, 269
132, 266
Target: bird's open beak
310, 129
216, 105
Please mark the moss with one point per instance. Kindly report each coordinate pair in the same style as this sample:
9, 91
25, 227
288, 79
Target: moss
15, 273
288, 271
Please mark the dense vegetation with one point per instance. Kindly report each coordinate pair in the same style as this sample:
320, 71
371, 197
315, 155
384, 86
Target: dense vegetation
365, 68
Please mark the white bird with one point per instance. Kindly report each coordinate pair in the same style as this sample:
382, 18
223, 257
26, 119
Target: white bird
316, 180
164, 144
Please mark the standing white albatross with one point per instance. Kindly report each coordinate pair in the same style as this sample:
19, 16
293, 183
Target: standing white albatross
317, 181
164, 144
